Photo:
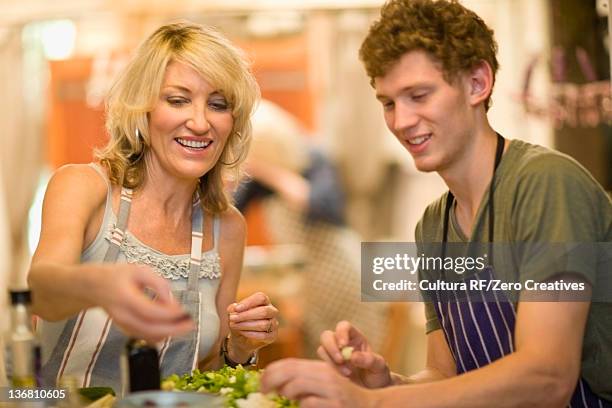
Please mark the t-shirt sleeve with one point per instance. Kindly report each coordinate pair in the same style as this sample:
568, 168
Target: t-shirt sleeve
555, 219
431, 318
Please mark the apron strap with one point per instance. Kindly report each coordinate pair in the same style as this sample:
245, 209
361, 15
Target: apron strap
118, 232
197, 238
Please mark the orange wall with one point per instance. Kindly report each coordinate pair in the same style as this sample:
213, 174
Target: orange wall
74, 128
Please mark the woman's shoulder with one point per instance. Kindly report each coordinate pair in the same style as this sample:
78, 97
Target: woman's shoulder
80, 182
233, 224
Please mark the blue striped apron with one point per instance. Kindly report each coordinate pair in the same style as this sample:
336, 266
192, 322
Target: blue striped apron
91, 344
479, 333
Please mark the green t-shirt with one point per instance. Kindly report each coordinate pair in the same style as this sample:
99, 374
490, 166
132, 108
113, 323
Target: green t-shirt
544, 196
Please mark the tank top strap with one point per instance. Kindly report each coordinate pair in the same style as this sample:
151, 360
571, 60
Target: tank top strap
101, 172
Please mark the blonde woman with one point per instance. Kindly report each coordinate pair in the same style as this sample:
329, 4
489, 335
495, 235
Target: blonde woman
178, 119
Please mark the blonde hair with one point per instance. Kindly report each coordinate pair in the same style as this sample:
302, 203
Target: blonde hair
137, 89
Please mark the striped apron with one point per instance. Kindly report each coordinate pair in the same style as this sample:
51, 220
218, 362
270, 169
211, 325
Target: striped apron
480, 332
91, 344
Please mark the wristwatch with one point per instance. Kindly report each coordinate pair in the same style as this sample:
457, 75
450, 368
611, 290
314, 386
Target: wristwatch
251, 362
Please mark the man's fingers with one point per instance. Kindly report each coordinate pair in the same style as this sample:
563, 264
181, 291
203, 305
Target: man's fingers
368, 361
277, 374
316, 402
343, 369
302, 387
343, 331
329, 343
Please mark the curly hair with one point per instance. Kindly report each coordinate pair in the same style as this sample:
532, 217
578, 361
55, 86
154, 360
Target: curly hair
136, 92
455, 37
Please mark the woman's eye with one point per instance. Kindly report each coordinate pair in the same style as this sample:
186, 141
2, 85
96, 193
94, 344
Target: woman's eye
219, 105
177, 101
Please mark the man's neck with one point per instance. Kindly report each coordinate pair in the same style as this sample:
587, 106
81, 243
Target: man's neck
469, 177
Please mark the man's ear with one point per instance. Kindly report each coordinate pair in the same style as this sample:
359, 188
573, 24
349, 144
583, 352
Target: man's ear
480, 83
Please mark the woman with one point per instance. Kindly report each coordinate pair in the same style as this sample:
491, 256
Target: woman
178, 118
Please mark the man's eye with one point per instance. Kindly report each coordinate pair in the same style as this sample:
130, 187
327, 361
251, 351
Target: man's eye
419, 97
388, 105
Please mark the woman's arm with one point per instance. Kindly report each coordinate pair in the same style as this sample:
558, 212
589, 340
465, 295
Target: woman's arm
231, 251
253, 321
62, 287
60, 290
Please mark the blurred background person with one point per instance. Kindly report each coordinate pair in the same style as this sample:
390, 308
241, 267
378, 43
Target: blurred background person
303, 203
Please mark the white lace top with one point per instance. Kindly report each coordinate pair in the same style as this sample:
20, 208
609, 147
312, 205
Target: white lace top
172, 267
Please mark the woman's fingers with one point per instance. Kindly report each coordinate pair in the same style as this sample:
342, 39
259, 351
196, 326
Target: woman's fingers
256, 299
263, 325
152, 332
257, 313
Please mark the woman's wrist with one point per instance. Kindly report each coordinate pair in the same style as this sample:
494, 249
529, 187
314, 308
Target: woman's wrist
236, 352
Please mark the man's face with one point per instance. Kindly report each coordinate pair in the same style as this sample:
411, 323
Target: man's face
431, 118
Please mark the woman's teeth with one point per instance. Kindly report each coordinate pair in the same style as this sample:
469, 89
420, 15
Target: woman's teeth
419, 140
200, 144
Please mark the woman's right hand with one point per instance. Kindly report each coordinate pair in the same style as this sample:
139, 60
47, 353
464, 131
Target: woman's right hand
119, 290
363, 366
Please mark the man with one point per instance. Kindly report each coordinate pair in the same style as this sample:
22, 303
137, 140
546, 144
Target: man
432, 65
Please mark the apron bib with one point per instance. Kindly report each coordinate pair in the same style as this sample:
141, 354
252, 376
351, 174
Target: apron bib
90, 345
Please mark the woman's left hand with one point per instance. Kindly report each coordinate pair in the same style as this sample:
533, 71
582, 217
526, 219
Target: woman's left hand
253, 323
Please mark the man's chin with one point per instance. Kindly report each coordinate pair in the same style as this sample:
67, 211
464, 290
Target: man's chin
425, 166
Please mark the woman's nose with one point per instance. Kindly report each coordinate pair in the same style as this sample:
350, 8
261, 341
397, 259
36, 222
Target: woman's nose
198, 122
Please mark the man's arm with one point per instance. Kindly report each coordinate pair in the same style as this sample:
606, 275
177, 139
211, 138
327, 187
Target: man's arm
439, 364
542, 372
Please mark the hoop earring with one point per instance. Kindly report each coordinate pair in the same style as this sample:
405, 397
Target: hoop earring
136, 157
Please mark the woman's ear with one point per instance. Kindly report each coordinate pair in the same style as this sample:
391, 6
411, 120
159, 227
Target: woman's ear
480, 83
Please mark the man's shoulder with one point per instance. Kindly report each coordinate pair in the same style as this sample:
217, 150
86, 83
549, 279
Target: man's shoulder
537, 161
430, 224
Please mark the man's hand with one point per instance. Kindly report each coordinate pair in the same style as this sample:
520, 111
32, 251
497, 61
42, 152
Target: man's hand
315, 384
363, 366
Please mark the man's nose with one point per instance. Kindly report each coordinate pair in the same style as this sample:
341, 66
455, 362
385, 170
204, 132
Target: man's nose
404, 117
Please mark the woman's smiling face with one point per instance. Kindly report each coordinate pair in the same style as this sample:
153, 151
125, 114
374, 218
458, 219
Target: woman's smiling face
189, 126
